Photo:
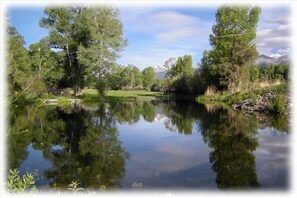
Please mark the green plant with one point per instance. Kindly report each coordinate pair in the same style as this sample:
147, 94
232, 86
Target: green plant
279, 104
74, 186
17, 184
102, 188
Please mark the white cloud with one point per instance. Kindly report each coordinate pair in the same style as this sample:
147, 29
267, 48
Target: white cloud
157, 34
283, 19
165, 25
274, 32
177, 34
152, 56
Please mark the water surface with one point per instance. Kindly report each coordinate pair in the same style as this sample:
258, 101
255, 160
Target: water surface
155, 144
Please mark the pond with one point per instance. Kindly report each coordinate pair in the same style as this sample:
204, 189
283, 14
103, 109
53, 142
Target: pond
157, 144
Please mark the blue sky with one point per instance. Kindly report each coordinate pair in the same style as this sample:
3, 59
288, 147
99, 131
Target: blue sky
157, 33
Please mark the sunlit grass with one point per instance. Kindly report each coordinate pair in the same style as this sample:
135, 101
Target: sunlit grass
230, 98
91, 95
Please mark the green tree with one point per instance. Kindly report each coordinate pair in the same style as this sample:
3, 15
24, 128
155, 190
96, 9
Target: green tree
49, 64
18, 64
115, 78
91, 38
106, 41
148, 77
232, 136
183, 65
131, 77
233, 50
254, 73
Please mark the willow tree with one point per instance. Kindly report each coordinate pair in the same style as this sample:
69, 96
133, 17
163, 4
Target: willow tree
91, 37
232, 47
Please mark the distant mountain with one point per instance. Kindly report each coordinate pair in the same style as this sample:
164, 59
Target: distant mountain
160, 75
264, 60
159, 68
160, 71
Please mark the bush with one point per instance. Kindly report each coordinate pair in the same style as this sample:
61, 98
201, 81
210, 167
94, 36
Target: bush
279, 104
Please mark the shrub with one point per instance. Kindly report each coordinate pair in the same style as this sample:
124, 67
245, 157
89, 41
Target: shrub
279, 104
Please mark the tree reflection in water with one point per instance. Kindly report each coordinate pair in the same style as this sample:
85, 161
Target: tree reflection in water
82, 143
232, 136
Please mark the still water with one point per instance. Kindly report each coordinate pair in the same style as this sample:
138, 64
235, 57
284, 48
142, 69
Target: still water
155, 144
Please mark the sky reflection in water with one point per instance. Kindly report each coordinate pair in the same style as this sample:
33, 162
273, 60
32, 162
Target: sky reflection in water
160, 144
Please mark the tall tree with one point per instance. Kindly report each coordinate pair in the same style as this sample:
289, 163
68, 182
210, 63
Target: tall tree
106, 41
49, 64
91, 38
18, 63
148, 77
233, 50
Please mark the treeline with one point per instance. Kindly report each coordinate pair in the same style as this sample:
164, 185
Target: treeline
130, 78
83, 44
269, 73
81, 48
228, 66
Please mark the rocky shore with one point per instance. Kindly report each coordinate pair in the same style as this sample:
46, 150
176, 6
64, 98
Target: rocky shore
260, 104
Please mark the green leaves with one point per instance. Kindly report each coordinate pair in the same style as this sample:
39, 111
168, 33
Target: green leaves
74, 186
148, 77
18, 63
233, 49
183, 65
91, 37
15, 183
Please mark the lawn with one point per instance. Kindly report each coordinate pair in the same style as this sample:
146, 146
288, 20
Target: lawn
91, 95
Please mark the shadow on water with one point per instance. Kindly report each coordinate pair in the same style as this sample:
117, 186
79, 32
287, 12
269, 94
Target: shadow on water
82, 143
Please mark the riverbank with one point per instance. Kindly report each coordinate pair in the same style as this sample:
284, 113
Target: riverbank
91, 95
273, 99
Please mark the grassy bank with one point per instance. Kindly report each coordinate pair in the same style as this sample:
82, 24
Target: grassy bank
276, 103
91, 95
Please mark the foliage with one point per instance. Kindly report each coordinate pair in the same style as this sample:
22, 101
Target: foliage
227, 63
64, 136
274, 72
102, 188
278, 104
91, 39
148, 77
50, 66
254, 73
17, 184
125, 78
180, 76
18, 63
231, 136
74, 186
183, 65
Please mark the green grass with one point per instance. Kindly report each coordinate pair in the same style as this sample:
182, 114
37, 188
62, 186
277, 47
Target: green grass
62, 100
91, 95
121, 93
230, 99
